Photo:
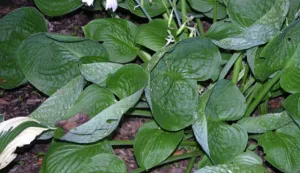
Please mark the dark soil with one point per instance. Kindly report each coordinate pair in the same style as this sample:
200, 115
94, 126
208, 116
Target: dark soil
25, 99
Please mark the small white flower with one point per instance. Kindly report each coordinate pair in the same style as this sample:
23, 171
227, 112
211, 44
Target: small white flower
88, 2
111, 4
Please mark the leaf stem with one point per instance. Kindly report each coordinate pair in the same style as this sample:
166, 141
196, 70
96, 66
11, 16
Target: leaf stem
143, 56
200, 26
244, 80
236, 70
229, 64
215, 11
131, 142
172, 159
141, 113
190, 165
144, 10
264, 90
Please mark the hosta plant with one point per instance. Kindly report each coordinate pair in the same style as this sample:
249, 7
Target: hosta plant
207, 92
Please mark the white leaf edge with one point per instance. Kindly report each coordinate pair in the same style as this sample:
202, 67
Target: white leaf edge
24, 138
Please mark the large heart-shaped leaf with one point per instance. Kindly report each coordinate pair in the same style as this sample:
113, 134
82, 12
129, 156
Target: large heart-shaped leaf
49, 61
58, 7
72, 158
118, 36
173, 85
265, 123
105, 122
226, 102
153, 9
153, 145
56, 106
98, 72
14, 133
245, 163
254, 30
291, 105
16, 27
282, 148
153, 34
272, 58
220, 141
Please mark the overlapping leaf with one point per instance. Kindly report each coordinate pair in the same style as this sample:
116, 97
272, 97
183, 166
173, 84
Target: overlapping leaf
105, 122
153, 145
221, 142
282, 148
250, 27
153, 9
118, 36
16, 27
291, 105
173, 85
49, 61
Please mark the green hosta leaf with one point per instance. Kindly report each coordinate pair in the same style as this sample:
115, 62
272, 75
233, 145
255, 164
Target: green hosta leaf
221, 12
226, 102
294, 8
202, 5
153, 145
57, 105
127, 80
264, 123
118, 36
291, 105
154, 8
15, 133
105, 163
282, 148
173, 85
91, 101
58, 7
223, 29
272, 58
49, 68
245, 13
153, 34
105, 122
72, 158
245, 163
267, 21
16, 27
98, 72
220, 141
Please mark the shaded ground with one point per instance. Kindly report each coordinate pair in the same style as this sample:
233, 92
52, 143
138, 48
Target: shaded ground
25, 99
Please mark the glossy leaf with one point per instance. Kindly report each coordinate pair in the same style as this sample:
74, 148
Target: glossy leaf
105, 163
153, 145
221, 142
154, 8
173, 85
16, 27
282, 148
49, 68
58, 7
291, 104
118, 36
91, 101
153, 34
15, 133
272, 58
202, 5
98, 72
226, 102
57, 105
105, 122
72, 158
267, 22
127, 80
265, 123
245, 163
